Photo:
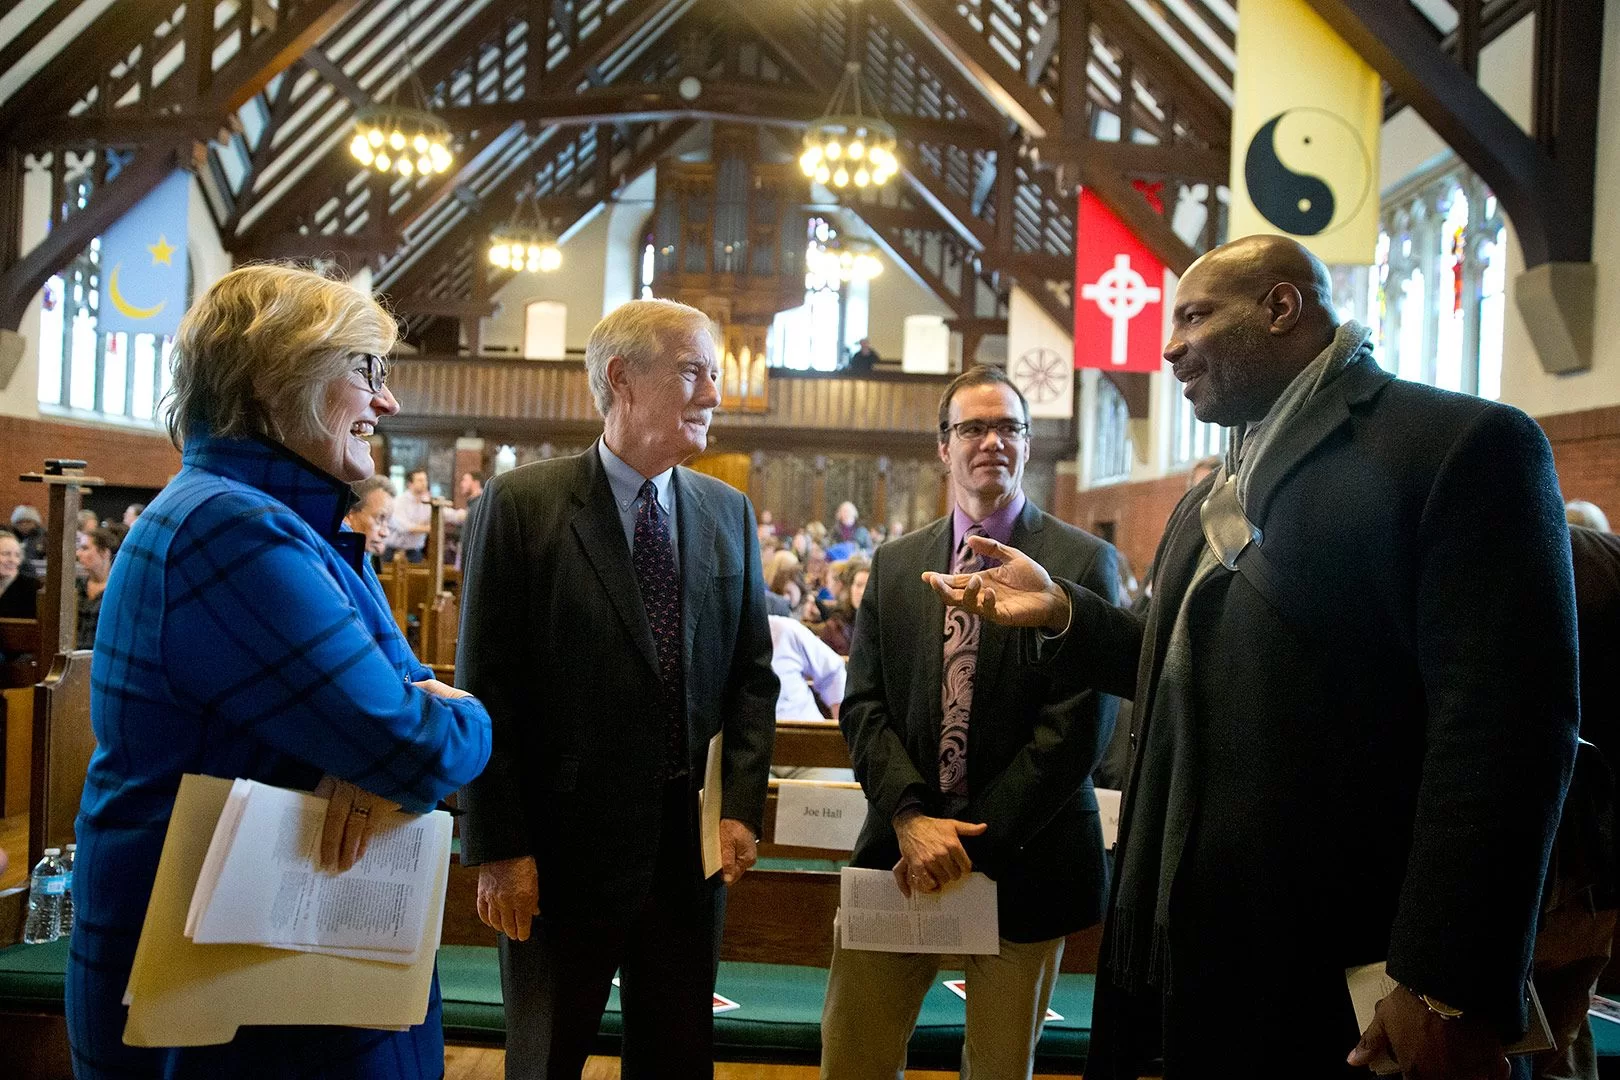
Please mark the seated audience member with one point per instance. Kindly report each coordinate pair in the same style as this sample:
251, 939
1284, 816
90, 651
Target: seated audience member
96, 554
847, 527
864, 358
373, 506
783, 592
1586, 515
282, 664
897, 529
803, 663
838, 628
133, 511
87, 524
30, 529
19, 589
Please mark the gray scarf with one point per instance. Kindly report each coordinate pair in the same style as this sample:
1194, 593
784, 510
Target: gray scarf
1163, 791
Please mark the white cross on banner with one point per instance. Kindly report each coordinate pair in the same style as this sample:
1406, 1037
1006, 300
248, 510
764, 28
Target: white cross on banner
1119, 299
1040, 358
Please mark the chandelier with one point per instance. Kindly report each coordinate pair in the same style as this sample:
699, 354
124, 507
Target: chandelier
843, 148
395, 137
526, 242
843, 261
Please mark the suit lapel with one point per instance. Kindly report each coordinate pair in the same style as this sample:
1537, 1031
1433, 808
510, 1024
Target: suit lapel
1320, 417
1180, 558
601, 535
930, 620
697, 549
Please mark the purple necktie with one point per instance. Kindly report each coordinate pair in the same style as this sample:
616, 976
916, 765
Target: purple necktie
961, 660
654, 562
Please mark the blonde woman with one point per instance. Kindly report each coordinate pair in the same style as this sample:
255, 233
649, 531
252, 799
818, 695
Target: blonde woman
244, 635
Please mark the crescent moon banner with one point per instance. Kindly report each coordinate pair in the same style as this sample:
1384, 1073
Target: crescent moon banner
144, 265
1305, 131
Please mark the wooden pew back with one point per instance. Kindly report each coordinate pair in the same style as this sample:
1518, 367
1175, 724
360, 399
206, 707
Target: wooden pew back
24, 639
63, 743
810, 743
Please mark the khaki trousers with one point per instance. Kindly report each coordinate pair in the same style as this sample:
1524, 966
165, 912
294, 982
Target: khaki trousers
873, 999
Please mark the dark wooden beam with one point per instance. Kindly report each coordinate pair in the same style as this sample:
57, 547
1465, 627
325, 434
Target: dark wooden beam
354, 247
944, 28
1548, 199
79, 68
1213, 164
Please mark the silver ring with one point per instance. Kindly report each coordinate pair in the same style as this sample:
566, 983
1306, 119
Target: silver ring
359, 811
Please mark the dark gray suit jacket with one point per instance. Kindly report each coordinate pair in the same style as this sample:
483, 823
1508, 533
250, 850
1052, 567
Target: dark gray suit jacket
555, 642
1031, 746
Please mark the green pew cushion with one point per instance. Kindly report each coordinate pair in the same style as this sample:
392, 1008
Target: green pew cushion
31, 976
1605, 1036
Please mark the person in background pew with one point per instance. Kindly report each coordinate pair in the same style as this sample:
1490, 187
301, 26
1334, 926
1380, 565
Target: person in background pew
969, 760
29, 527
808, 670
19, 590
1354, 728
838, 628
1587, 515
613, 618
244, 635
133, 511
370, 514
97, 550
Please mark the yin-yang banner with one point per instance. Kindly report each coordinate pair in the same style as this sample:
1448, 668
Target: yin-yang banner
1305, 130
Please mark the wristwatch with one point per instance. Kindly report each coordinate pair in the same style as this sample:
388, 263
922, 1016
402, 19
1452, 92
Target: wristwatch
1436, 1006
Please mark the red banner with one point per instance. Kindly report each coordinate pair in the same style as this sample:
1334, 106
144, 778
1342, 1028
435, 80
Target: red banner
1118, 294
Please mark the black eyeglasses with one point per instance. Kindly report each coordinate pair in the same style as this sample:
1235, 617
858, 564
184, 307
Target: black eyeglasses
976, 430
374, 370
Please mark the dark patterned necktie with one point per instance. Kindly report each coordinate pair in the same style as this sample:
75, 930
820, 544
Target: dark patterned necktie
654, 562
961, 660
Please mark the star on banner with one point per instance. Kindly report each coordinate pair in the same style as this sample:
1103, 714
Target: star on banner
161, 251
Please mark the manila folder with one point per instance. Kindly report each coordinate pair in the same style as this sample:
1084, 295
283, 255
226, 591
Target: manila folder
185, 994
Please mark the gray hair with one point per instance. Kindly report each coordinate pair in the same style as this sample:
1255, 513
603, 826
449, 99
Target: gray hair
636, 331
27, 513
255, 354
374, 482
1581, 512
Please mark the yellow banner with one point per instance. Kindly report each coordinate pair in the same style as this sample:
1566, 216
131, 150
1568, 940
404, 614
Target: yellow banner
1305, 133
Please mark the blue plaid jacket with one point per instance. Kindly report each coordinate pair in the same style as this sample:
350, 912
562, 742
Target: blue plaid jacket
244, 634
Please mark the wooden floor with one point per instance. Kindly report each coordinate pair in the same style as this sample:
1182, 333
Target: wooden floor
14, 842
476, 1063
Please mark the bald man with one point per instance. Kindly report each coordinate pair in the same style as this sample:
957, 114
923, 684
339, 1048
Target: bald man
1355, 704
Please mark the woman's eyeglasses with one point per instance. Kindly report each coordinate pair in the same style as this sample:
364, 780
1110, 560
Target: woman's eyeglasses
374, 369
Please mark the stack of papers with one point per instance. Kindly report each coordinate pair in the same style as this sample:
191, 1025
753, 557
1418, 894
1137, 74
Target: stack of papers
186, 992
873, 914
261, 883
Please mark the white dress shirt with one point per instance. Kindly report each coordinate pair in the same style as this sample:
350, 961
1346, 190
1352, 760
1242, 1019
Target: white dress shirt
798, 655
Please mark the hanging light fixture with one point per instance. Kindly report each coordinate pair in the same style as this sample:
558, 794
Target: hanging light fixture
849, 148
525, 243
840, 260
400, 137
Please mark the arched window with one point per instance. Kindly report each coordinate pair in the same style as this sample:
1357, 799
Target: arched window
1436, 295
816, 335
1111, 457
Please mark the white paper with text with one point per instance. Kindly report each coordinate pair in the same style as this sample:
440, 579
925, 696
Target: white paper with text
874, 915
269, 889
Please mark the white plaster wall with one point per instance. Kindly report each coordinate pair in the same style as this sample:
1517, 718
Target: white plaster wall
579, 284
892, 296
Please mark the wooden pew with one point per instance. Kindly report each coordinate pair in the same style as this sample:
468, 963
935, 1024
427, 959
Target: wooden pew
23, 639
810, 743
19, 638
62, 738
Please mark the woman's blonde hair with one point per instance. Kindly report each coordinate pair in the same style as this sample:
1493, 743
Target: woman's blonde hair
637, 331
255, 354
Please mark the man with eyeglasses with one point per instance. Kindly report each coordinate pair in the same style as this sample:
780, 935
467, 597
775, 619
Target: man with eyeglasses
968, 762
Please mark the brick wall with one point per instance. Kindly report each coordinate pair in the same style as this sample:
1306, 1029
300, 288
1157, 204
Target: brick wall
1586, 450
123, 458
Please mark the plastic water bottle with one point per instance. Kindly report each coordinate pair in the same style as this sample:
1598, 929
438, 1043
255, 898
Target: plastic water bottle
67, 888
45, 889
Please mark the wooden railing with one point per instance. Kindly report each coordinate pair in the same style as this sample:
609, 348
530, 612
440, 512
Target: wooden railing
481, 388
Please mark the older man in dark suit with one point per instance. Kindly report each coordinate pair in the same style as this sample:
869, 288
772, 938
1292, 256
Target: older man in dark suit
970, 759
1356, 704
614, 622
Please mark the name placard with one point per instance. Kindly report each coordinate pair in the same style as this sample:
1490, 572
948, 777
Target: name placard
819, 815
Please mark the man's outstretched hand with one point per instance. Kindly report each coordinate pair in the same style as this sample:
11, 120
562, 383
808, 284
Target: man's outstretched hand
1019, 592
